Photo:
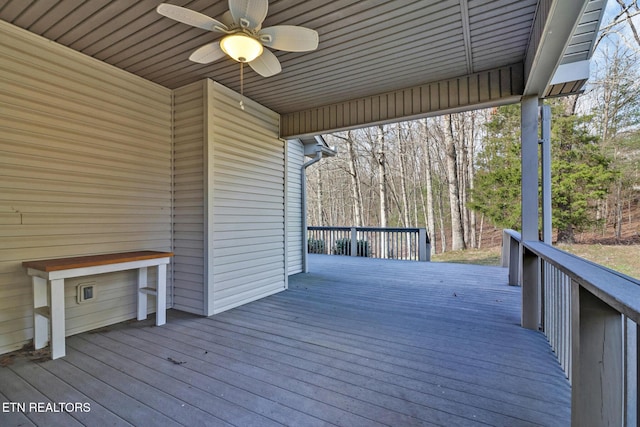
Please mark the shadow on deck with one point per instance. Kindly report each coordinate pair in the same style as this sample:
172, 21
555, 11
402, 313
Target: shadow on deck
356, 342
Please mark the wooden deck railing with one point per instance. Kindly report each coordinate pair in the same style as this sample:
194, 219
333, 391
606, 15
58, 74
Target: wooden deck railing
374, 242
590, 316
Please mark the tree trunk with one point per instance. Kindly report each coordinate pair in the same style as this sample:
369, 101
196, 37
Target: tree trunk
321, 216
356, 190
431, 223
443, 234
566, 235
382, 175
619, 206
473, 238
403, 177
457, 232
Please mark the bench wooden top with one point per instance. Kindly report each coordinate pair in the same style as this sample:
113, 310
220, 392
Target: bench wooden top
57, 264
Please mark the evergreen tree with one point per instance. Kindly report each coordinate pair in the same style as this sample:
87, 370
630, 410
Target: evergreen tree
497, 192
581, 173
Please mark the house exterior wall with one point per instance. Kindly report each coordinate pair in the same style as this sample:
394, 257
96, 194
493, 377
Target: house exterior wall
189, 104
295, 159
85, 168
245, 201
229, 200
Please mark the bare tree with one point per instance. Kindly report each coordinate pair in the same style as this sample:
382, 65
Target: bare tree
380, 157
457, 231
624, 18
354, 174
402, 152
429, 208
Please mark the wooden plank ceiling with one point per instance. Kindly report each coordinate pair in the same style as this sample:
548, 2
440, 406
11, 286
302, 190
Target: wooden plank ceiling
366, 47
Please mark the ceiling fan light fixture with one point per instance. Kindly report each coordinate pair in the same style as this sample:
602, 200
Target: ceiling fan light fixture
241, 47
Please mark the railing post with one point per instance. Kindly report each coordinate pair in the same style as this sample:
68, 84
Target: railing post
506, 247
632, 363
598, 380
514, 262
424, 248
354, 241
530, 301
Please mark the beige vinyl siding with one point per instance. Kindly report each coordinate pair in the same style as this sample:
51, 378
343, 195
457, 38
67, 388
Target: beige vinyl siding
189, 127
295, 159
85, 168
246, 197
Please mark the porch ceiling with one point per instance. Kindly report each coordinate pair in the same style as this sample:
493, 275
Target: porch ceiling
367, 48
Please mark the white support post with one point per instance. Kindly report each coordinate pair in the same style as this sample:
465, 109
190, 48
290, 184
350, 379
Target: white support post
40, 320
161, 295
597, 390
354, 242
58, 330
546, 174
142, 297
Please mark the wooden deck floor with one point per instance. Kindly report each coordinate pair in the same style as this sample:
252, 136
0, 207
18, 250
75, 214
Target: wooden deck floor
356, 342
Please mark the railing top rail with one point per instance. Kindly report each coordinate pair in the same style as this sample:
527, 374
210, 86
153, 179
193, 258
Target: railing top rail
614, 288
387, 229
313, 227
513, 233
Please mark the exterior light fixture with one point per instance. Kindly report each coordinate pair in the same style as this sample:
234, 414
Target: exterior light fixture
241, 47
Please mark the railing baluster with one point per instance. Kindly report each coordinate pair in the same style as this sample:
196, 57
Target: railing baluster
391, 243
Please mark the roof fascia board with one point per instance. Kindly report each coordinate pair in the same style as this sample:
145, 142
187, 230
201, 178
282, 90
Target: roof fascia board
571, 72
552, 31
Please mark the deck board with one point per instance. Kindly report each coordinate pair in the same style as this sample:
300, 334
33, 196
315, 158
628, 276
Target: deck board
356, 342
13, 418
52, 386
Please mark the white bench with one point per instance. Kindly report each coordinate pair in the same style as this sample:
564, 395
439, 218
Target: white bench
48, 304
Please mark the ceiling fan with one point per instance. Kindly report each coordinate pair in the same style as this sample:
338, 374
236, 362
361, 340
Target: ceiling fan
244, 38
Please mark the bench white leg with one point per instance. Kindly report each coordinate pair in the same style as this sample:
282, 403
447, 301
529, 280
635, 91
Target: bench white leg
161, 295
142, 297
57, 319
40, 322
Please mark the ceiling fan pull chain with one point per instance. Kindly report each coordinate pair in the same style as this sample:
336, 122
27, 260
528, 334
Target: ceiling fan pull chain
242, 86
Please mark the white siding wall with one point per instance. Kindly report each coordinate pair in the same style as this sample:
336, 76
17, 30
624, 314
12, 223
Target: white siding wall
189, 213
246, 175
85, 168
295, 159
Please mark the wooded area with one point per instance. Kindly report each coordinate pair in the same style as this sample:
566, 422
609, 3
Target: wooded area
458, 174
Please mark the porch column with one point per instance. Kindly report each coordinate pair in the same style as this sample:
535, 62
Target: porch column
530, 268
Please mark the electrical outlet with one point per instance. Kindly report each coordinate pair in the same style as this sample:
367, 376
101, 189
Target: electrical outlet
86, 292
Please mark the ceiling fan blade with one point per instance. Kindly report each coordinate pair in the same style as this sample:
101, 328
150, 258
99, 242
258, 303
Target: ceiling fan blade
207, 53
249, 13
227, 19
190, 17
289, 38
266, 64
